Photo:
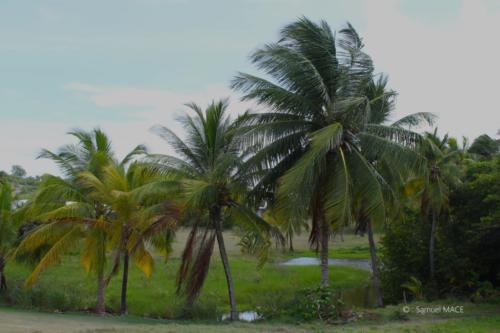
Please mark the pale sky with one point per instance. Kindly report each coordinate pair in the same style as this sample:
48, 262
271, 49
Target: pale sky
126, 65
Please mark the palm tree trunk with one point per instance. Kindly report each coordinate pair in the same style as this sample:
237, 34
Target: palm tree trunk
431, 246
323, 251
123, 306
225, 262
3, 280
101, 285
375, 272
290, 242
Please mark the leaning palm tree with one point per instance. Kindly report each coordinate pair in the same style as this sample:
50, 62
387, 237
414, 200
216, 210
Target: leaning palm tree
137, 208
69, 216
315, 138
212, 189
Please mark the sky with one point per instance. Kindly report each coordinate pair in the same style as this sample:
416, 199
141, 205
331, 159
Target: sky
127, 65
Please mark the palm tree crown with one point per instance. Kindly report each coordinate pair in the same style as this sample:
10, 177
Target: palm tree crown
318, 138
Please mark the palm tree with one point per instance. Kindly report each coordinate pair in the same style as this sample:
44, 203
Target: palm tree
316, 138
137, 209
382, 105
432, 185
7, 229
67, 212
213, 187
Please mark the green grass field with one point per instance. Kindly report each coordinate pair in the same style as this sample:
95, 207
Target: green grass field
66, 286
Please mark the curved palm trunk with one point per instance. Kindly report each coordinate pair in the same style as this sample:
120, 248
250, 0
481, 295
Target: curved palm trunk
375, 272
101, 280
432, 242
290, 242
101, 286
225, 262
123, 306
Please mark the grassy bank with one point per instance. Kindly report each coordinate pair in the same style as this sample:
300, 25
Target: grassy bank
476, 318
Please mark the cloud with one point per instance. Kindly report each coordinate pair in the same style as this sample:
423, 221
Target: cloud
21, 141
450, 68
154, 100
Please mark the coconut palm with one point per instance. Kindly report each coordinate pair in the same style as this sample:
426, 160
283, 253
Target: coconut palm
382, 105
7, 229
69, 216
432, 185
142, 218
316, 140
213, 187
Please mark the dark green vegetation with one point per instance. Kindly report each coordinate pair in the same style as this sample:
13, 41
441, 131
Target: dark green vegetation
468, 240
323, 160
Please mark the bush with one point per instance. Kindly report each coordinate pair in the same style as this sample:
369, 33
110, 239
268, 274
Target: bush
405, 255
320, 303
403, 250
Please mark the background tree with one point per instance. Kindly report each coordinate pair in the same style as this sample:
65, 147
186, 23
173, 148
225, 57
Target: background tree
485, 146
288, 226
18, 171
432, 185
7, 229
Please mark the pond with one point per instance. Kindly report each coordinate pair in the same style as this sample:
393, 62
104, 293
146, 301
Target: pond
312, 261
360, 297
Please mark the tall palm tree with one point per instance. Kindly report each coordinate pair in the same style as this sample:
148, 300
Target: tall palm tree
316, 136
432, 185
7, 229
382, 105
67, 212
137, 208
213, 187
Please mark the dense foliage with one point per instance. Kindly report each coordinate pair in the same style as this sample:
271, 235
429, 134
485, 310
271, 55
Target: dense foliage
468, 241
